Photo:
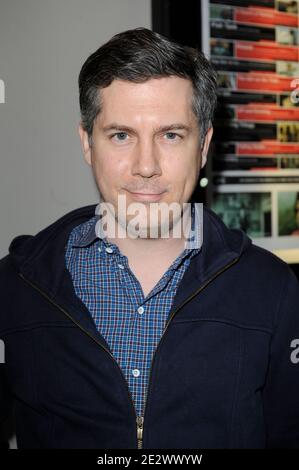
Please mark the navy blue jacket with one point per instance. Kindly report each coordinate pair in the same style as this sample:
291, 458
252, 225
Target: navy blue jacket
224, 375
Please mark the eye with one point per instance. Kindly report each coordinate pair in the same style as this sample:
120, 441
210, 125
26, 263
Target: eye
119, 136
172, 135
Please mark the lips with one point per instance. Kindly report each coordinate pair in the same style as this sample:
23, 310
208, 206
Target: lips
143, 196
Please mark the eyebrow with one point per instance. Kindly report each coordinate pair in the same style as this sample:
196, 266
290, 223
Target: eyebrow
169, 127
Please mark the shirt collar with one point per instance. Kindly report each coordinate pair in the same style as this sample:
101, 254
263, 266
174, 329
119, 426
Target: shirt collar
85, 234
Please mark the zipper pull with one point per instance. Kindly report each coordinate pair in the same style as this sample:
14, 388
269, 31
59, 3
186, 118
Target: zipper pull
139, 431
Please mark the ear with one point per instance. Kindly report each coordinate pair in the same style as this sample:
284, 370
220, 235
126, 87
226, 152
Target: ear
206, 145
85, 144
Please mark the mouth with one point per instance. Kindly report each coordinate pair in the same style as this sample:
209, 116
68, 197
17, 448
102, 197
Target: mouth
150, 197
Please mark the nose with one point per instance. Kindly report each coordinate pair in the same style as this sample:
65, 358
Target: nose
146, 161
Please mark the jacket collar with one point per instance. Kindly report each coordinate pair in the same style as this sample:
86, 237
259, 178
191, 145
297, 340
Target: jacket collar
41, 258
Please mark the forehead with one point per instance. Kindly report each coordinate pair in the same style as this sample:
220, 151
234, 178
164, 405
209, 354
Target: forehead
163, 96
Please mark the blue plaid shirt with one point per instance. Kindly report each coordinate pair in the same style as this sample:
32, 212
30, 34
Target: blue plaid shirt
131, 324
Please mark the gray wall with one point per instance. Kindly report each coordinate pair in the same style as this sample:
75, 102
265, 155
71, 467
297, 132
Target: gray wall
43, 44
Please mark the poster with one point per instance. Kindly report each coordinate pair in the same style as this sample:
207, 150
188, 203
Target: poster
253, 165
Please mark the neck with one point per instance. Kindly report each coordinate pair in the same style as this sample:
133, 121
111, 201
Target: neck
148, 248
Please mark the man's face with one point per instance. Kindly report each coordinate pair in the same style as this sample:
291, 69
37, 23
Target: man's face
146, 140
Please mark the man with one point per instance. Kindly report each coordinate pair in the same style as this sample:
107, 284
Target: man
121, 341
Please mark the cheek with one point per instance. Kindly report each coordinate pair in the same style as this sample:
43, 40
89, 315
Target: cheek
182, 169
108, 167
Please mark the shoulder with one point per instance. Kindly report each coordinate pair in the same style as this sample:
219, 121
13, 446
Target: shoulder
266, 263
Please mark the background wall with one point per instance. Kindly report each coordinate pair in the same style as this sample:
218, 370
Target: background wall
43, 45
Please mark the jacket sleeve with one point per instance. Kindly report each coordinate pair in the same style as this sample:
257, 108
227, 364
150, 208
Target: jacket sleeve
281, 391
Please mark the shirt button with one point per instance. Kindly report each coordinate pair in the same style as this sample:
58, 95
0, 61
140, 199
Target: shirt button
100, 249
121, 266
136, 372
109, 250
140, 310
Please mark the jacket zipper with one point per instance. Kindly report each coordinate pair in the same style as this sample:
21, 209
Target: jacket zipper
139, 419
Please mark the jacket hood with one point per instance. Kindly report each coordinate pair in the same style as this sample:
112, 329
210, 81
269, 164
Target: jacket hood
41, 257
